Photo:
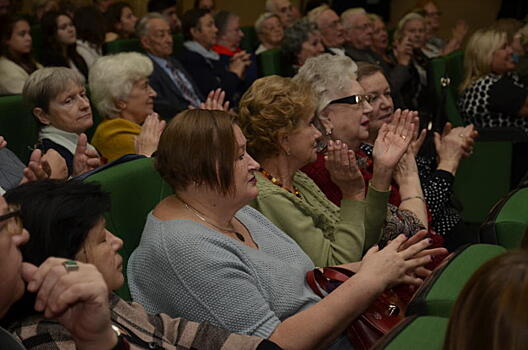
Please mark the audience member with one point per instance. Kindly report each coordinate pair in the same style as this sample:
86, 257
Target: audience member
380, 37
66, 221
269, 31
278, 117
437, 174
121, 92
176, 89
85, 313
167, 8
204, 64
205, 5
357, 28
40, 7
90, 24
57, 98
228, 264
228, 45
120, 20
330, 27
490, 311
5, 7
103, 5
16, 62
435, 46
287, 13
302, 40
491, 94
60, 39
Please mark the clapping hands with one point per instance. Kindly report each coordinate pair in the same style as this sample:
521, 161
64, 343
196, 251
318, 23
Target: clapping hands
342, 165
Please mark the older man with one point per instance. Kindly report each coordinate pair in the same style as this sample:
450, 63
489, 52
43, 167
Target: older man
175, 87
358, 35
330, 27
285, 10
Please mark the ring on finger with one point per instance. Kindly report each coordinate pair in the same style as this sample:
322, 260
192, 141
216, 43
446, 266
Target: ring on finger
403, 137
70, 265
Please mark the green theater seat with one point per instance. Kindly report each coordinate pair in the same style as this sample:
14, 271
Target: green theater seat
507, 223
122, 45
135, 188
271, 62
420, 333
250, 40
17, 126
437, 295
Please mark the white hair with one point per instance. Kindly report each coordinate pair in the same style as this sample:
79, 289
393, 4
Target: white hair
112, 77
348, 15
314, 14
329, 75
262, 18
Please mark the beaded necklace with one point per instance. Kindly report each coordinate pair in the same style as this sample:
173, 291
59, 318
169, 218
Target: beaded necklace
277, 182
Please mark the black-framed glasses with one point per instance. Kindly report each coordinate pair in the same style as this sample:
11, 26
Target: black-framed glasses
353, 100
12, 226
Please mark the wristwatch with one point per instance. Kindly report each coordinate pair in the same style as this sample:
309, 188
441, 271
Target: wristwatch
122, 343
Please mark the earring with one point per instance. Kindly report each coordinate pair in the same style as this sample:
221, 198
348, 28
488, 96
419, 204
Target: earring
328, 132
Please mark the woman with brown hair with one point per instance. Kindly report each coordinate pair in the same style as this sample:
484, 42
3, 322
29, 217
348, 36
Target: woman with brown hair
490, 312
205, 254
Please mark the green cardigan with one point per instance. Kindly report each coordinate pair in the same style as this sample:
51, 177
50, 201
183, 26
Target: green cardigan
327, 234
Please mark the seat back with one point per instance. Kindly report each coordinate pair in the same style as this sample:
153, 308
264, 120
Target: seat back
271, 62
18, 126
250, 40
135, 188
454, 63
438, 293
426, 332
122, 45
507, 223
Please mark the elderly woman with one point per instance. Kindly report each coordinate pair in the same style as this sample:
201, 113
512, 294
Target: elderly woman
491, 94
66, 221
490, 311
437, 174
302, 40
57, 98
121, 92
227, 264
60, 39
270, 32
87, 308
16, 62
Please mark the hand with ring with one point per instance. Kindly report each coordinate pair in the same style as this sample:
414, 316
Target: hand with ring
453, 145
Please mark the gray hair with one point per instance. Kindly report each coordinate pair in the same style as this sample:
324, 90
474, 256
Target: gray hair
348, 14
270, 6
295, 35
112, 78
45, 84
403, 21
314, 14
142, 24
329, 75
263, 18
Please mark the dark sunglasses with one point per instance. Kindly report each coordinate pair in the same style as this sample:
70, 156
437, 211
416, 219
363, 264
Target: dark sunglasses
352, 100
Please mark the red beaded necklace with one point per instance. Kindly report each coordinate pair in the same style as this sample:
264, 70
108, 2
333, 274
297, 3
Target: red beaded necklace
277, 182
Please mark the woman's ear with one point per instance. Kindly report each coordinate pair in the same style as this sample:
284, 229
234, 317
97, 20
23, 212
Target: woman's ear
121, 105
284, 143
326, 121
41, 115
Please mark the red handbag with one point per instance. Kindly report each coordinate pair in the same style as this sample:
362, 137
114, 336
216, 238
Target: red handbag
381, 316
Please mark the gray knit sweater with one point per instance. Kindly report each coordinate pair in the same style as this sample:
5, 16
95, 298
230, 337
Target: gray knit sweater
187, 270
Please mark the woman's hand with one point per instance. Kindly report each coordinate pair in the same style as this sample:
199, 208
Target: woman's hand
418, 137
454, 145
84, 159
37, 169
395, 263
146, 143
406, 168
403, 51
215, 101
77, 299
342, 165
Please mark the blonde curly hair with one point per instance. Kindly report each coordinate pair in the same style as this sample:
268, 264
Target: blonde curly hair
273, 106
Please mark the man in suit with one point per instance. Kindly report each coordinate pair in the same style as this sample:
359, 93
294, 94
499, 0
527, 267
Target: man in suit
175, 87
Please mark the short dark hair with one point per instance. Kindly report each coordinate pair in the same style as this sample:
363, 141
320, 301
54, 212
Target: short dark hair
190, 20
90, 24
198, 146
366, 69
113, 14
58, 215
160, 5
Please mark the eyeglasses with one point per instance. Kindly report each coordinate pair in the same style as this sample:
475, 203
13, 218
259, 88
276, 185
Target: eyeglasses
353, 100
14, 226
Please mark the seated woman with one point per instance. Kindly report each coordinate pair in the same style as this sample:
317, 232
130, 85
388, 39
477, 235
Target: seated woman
270, 32
491, 94
57, 98
120, 20
225, 263
121, 92
437, 174
490, 312
60, 39
277, 115
90, 24
302, 40
16, 62
66, 221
